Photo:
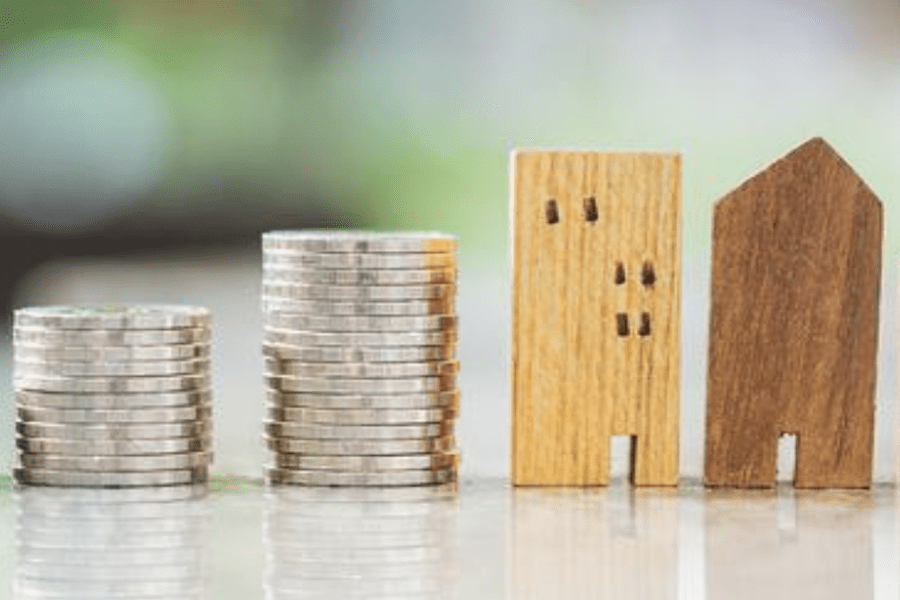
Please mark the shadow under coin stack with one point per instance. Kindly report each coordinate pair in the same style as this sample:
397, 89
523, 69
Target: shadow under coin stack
112, 396
360, 345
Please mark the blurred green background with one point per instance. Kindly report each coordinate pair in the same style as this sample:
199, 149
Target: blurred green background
145, 144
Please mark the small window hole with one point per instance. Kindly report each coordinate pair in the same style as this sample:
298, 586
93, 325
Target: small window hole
644, 330
590, 209
552, 212
622, 324
648, 275
620, 273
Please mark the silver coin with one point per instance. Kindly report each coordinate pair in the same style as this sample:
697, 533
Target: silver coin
113, 431
276, 275
158, 462
359, 369
112, 401
448, 399
360, 447
112, 316
100, 354
360, 417
314, 385
358, 260
138, 447
279, 320
134, 415
362, 478
324, 240
367, 293
365, 339
44, 368
109, 337
111, 385
367, 463
372, 354
281, 429
409, 308
110, 479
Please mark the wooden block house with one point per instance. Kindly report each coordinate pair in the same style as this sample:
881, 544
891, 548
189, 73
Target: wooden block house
596, 315
794, 324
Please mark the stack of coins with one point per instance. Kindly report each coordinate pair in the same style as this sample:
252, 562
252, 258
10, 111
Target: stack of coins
360, 343
111, 544
361, 543
112, 396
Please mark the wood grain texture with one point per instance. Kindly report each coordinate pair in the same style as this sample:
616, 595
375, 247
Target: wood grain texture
794, 324
578, 274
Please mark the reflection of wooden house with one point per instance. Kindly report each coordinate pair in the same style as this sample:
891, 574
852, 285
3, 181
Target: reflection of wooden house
794, 324
596, 315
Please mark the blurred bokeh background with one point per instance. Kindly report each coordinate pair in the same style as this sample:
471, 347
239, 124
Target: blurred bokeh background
144, 145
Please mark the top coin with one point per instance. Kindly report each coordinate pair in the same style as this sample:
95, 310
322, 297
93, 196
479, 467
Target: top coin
359, 241
113, 316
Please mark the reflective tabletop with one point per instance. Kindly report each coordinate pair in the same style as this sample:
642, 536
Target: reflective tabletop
482, 540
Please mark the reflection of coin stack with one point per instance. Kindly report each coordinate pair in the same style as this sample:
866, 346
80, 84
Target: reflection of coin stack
104, 544
114, 396
360, 357
368, 544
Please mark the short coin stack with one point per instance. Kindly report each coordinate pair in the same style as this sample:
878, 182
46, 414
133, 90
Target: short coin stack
112, 396
360, 365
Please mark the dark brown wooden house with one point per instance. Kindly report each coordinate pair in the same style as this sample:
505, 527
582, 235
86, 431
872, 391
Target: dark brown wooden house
794, 324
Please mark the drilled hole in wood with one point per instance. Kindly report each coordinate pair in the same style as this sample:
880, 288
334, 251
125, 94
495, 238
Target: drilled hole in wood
552, 212
620, 273
648, 275
644, 330
622, 324
590, 209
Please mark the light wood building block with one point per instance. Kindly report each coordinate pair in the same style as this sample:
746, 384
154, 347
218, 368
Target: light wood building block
794, 324
596, 315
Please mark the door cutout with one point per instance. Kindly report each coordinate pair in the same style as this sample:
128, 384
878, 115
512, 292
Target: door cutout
622, 457
786, 467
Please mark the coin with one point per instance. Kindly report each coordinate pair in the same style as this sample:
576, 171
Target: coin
158, 462
110, 369
360, 417
410, 308
111, 385
113, 431
91, 402
371, 354
361, 447
135, 415
358, 241
379, 324
291, 430
110, 479
276, 275
442, 460
375, 478
314, 385
137, 447
109, 337
358, 260
112, 316
368, 293
99, 354
359, 369
40, 499
324, 338
448, 399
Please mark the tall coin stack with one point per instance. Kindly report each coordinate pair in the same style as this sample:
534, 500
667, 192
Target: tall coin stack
360, 369
112, 396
